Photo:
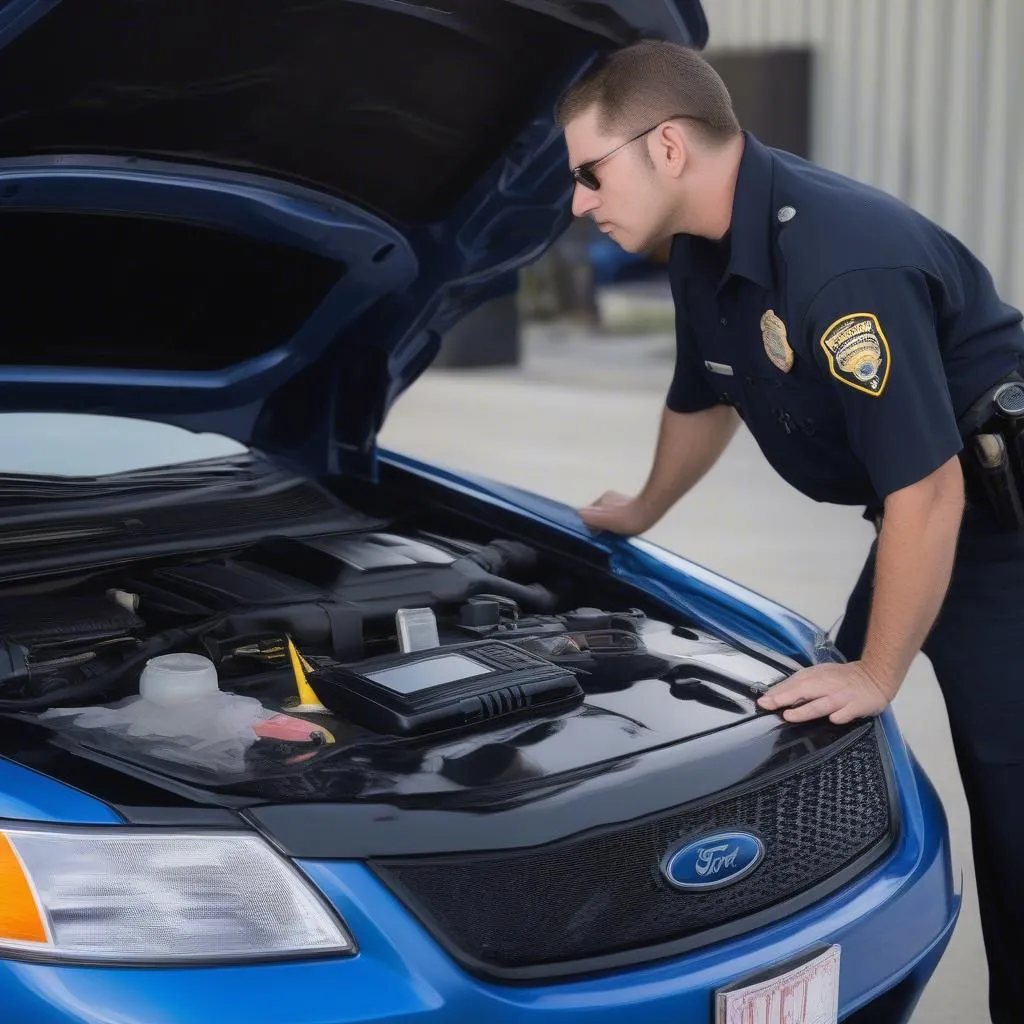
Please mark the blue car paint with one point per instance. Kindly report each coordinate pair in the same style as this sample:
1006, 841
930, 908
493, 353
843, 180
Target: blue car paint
891, 923
21, 15
25, 795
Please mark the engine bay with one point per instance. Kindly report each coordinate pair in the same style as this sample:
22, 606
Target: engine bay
356, 656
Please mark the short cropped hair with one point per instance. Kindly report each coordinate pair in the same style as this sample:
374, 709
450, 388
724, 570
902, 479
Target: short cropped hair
639, 86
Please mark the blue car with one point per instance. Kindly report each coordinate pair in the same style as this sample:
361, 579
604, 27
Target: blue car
295, 730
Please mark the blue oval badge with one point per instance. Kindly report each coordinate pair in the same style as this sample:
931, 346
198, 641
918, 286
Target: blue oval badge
713, 860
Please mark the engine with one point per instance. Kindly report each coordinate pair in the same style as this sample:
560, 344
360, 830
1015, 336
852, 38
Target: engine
271, 658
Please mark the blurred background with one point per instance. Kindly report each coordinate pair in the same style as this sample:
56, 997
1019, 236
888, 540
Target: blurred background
558, 387
921, 98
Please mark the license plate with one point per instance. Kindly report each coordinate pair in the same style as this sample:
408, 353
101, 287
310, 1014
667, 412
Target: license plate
806, 992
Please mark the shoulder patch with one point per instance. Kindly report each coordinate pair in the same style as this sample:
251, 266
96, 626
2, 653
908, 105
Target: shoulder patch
858, 353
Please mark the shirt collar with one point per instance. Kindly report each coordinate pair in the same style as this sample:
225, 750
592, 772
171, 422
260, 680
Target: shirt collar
750, 230
750, 235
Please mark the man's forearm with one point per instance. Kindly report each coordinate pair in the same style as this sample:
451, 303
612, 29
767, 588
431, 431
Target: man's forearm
689, 444
916, 550
913, 567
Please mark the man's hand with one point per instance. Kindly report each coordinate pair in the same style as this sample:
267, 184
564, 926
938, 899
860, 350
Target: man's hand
618, 513
912, 570
688, 445
843, 692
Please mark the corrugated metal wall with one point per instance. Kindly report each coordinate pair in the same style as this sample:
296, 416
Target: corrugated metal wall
924, 98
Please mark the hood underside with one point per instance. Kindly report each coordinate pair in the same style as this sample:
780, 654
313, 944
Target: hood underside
260, 218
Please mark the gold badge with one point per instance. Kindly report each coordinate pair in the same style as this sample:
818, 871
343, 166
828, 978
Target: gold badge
776, 347
858, 353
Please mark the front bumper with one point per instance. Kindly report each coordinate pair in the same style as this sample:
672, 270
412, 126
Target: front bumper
892, 923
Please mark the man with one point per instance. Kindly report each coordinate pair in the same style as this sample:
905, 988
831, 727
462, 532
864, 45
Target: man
861, 345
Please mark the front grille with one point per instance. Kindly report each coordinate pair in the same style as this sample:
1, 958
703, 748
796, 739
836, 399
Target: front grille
600, 894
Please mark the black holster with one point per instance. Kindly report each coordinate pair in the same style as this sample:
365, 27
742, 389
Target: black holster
993, 453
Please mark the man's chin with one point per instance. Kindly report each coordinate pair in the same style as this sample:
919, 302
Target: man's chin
625, 243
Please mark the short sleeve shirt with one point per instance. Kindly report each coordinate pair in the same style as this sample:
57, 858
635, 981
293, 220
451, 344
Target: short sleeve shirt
849, 332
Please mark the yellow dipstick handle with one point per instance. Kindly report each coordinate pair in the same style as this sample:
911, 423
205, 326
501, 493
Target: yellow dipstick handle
308, 700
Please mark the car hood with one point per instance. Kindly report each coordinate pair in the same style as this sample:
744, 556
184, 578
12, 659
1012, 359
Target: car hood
259, 218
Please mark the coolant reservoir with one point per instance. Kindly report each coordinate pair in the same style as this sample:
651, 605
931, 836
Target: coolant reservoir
182, 716
174, 679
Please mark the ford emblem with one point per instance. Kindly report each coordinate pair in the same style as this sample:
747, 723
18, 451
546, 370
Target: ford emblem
713, 860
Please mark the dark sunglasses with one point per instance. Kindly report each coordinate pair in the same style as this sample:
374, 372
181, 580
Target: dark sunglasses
584, 174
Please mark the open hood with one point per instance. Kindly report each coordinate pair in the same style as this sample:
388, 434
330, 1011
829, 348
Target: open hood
258, 218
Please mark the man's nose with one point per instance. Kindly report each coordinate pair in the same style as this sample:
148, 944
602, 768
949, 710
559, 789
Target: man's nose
584, 200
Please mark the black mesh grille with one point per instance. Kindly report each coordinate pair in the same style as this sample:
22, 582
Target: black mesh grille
604, 894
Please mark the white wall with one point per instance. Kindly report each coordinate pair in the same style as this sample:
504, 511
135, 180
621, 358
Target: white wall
924, 98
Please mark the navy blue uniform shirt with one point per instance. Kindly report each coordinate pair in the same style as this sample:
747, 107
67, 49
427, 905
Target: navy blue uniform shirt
850, 332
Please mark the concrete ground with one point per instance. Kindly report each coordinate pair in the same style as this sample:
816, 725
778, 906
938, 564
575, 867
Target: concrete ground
579, 417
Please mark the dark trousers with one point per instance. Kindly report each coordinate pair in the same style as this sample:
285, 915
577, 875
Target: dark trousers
977, 651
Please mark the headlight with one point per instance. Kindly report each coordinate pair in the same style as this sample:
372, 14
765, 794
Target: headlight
129, 896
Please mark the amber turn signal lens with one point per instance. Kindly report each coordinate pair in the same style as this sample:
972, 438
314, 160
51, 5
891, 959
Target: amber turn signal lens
20, 919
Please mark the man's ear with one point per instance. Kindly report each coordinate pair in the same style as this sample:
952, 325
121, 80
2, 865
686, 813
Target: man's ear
670, 148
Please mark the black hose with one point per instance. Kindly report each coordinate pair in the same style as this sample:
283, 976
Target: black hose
533, 596
504, 556
485, 571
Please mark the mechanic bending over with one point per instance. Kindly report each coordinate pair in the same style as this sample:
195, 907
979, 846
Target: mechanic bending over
869, 355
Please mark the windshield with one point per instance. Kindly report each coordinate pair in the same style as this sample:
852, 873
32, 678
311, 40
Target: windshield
82, 445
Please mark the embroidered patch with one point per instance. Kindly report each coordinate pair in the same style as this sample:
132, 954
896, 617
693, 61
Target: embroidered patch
858, 353
776, 347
